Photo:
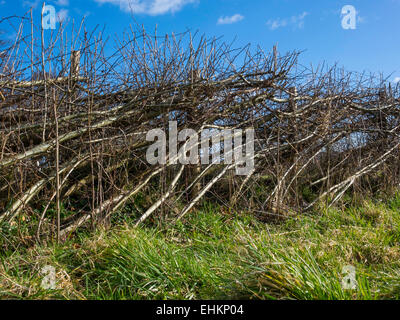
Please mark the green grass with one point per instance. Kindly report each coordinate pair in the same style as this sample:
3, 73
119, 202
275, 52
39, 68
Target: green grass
220, 255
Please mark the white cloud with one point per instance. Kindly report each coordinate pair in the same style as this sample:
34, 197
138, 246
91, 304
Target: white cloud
62, 3
361, 19
30, 4
396, 80
35, 3
229, 20
275, 24
295, 21
62, 15
151, 7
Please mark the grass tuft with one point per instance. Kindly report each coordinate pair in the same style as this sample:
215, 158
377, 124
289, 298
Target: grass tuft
217, 254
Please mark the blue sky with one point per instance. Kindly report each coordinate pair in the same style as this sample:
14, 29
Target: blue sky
314, 26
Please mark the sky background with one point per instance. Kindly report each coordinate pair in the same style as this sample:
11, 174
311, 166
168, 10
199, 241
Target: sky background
312, 26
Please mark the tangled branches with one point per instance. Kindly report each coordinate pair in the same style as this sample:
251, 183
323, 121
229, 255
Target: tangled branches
74, 124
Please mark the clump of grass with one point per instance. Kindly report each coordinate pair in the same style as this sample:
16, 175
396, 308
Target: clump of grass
219, 254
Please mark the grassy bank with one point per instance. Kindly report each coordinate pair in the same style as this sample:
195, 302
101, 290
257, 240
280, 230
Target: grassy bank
220, 255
